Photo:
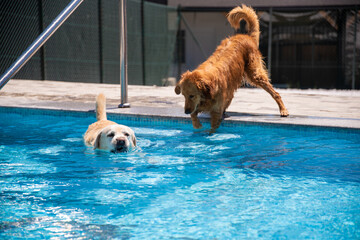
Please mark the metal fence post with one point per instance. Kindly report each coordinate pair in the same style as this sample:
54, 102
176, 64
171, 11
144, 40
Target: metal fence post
123, 56
179, 44
270, 41
101, 45
42, 49
34, 47
354, 51
143, 42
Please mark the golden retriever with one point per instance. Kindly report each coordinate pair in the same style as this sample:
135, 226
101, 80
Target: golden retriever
108, 135
237, 60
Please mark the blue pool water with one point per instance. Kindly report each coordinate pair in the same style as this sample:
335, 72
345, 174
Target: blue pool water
246, 181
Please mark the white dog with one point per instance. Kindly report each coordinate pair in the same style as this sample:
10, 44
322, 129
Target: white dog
108, 135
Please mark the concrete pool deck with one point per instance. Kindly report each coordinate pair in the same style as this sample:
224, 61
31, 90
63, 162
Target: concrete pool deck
332, 108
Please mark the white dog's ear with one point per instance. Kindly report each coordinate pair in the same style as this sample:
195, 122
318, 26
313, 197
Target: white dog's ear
97, 141
133, 138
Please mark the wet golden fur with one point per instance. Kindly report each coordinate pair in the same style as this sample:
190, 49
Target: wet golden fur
108, 135
211, 86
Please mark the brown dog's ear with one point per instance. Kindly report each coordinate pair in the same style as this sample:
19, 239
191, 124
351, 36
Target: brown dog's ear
184, 76
177, 89
97, 141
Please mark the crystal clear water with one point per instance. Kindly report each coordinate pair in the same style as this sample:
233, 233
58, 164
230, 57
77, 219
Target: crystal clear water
244, 182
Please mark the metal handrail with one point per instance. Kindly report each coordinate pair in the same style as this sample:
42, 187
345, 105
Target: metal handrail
36, 45
123, 56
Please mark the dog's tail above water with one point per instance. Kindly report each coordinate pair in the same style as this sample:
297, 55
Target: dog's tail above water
248, 14
101, 107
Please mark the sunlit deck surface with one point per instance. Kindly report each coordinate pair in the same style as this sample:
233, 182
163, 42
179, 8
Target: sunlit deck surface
334, 108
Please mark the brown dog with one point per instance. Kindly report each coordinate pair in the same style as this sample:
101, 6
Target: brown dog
108, 135
237, 60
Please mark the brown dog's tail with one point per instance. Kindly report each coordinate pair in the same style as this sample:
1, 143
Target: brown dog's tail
248, 14
101, 107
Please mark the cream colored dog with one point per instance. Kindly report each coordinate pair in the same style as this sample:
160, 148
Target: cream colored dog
108, 135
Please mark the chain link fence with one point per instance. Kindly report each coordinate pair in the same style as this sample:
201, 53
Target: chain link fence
86, 47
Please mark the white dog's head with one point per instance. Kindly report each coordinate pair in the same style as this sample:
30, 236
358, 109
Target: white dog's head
115, 138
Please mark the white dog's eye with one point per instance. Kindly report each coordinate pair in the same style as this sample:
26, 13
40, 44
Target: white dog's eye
126, 134
111, 135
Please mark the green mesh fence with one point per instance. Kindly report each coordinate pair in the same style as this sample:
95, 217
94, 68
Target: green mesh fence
72, 53
309, 48
154, 44
86, 47
19, 26
160, 36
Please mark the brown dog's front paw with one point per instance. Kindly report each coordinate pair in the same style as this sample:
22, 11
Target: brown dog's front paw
284, 113
197, 125
212, 130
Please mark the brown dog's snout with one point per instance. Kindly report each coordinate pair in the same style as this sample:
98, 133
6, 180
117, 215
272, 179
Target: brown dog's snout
188, 111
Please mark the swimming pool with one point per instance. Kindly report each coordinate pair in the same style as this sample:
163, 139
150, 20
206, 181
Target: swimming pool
246, 181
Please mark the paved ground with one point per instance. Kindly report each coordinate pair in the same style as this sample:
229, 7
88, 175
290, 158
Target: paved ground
337, 108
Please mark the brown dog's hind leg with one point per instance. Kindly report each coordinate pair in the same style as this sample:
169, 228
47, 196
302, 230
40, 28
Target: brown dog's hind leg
276, 96
258, 76
195, 120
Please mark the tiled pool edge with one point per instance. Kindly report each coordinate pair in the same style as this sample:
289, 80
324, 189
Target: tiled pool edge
323, 108
169, 120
